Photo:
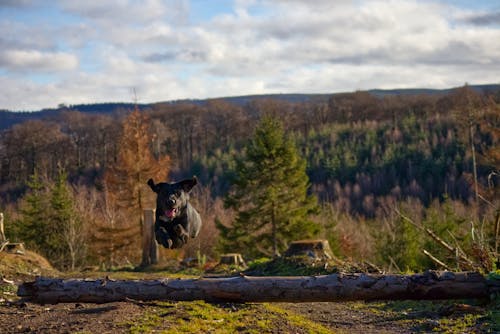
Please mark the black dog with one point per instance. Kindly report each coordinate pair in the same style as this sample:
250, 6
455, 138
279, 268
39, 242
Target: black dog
176, 219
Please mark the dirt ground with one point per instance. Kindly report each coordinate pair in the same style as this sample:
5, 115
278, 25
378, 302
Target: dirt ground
126, 317
117, 318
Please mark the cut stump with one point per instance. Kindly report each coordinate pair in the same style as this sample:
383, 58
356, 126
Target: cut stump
315, 249
232, 259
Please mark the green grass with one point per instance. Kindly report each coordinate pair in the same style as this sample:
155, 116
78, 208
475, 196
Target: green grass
462, 324
202, 317
298, 320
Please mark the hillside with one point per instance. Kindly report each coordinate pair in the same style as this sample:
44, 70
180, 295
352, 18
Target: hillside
367, 157
9, 118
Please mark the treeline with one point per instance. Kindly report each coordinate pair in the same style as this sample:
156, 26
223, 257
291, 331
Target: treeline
365, 153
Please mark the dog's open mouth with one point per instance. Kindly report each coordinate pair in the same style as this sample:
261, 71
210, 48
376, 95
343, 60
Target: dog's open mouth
170, 213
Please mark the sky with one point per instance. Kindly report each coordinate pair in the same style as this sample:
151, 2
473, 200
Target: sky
56, 52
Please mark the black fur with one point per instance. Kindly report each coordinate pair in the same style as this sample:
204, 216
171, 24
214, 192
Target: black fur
176, 219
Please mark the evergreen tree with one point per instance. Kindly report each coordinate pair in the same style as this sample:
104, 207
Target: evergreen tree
59, 216
48, 219
269, 194
34, 208
66, 235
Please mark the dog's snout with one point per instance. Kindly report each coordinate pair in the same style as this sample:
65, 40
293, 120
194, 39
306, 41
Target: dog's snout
171, 201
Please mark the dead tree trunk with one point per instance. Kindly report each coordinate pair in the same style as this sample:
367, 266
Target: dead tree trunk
149, 246
2, 233
328, 288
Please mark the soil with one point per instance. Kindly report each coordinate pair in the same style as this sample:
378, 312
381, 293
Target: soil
121, 317
118, 317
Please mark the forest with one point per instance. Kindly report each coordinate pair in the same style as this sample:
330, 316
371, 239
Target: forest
393, 175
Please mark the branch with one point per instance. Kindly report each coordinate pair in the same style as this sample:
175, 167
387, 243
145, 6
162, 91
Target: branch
3, 244
452, 250
435, 260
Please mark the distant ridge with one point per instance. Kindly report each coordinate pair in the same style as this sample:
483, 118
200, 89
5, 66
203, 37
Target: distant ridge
10, 118
428, 91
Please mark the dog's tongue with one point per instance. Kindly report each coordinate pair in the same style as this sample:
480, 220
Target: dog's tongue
170, 213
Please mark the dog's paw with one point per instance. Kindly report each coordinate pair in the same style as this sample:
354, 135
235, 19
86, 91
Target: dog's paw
163, 238
177, 243
181, 233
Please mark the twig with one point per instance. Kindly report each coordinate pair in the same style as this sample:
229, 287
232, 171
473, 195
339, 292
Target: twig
373, 267
452, 250
3, 244
497, 232
435, 260
459, 253
394, 264
409, 220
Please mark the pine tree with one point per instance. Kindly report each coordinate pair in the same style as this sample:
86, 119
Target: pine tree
59, 216
66, 235
125, 180
269, 195
31, 227
47, 220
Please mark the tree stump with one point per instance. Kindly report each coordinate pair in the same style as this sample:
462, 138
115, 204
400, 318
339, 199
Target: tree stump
13, 247
232, 259
316, 249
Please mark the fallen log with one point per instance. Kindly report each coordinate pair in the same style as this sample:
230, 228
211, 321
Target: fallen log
327, 288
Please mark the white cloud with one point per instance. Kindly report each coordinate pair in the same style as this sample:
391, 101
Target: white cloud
32, 60
122, 11
262, 46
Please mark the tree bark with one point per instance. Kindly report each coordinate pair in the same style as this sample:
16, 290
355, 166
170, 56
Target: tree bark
327, 288
149, 245
2, 233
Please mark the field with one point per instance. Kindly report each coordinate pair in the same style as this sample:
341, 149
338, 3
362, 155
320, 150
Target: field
200, 317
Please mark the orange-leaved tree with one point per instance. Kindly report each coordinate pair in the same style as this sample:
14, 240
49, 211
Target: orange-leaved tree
125, 182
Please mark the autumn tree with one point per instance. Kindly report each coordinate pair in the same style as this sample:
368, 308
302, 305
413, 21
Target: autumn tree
125, 180
269, 194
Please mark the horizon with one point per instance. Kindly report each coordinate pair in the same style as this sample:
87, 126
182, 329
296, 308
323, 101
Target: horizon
84, 53
389, 90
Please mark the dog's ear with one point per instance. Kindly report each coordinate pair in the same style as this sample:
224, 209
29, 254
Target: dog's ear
188, 184
153, 186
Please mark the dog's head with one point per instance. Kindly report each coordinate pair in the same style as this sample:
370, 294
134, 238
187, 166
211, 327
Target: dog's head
171, 198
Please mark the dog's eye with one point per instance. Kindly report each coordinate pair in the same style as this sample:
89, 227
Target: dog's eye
177, 192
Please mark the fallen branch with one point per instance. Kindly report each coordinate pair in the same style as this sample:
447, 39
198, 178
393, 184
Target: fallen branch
327, 288
435, 259
434, 236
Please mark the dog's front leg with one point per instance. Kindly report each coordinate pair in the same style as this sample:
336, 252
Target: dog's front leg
181, 233
162, 237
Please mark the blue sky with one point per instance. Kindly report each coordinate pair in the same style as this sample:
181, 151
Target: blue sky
71, 52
